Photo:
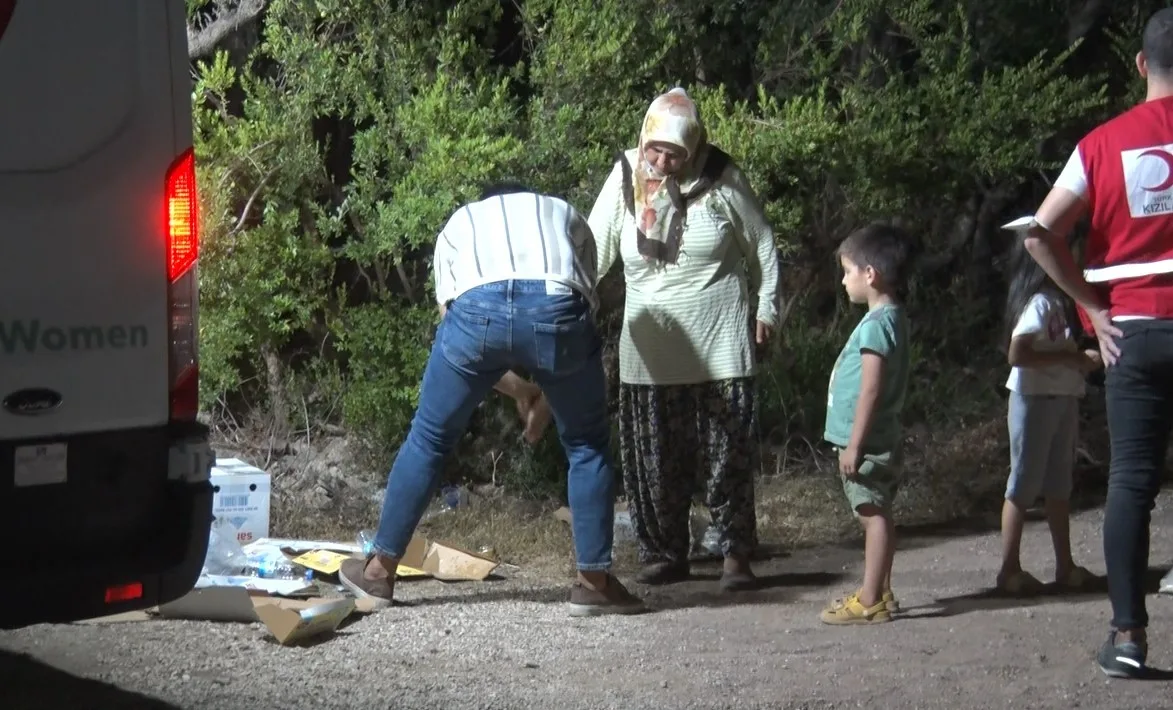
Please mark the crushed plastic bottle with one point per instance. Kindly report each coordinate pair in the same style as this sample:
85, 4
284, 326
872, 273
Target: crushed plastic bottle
366, 542
273, 564
698, 522
624, 530
705, 537
225, 556
711, 541
450, 498
454, 497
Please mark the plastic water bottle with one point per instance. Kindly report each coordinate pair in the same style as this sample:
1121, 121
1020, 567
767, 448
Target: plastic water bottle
284, 570
278, 566
449, 499
366, 542
453, 497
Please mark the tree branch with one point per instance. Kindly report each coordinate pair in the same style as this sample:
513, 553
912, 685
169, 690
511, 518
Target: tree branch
248, 206
232, 14
1084, 19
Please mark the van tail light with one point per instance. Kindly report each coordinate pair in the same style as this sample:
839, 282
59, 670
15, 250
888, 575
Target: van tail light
183, 287
124, 592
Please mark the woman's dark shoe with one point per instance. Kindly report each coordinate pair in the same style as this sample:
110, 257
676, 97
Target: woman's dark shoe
737, 576
663, 573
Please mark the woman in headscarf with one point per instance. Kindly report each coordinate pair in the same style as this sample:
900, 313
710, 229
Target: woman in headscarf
698, 259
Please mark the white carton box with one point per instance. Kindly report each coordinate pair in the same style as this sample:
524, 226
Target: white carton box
240, 496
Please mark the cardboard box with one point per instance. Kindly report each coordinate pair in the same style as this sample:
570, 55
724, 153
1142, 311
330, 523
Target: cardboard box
241, 498
291, 621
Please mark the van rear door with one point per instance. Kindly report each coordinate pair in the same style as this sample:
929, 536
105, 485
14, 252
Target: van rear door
97, 310
87, 134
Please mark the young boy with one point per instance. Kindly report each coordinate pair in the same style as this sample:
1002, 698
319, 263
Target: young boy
865, 396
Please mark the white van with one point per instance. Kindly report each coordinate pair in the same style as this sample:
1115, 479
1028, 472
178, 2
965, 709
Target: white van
105, 500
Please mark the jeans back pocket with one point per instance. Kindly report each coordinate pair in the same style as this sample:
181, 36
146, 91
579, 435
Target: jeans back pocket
563, 348
462, 336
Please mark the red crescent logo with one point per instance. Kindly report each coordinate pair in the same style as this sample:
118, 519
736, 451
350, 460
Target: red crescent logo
6, 8
1167, 159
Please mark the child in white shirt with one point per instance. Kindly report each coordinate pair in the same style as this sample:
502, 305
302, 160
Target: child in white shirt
1046, 382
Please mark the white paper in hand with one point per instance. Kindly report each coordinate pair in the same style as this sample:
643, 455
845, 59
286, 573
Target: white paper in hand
1021, 224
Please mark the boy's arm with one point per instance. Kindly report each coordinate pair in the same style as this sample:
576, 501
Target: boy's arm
870, 381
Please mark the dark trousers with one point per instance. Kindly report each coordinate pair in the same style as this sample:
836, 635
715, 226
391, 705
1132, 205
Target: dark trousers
1139, 398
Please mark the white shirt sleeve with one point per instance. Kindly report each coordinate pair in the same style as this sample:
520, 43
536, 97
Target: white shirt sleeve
582, 239
442, 267
1033, 320
1074, 175
606, 221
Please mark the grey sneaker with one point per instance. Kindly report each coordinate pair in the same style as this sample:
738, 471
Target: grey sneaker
1166, 583
1122, 660
611, 599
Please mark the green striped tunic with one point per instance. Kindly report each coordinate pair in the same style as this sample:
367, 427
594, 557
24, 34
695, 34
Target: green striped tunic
689, 322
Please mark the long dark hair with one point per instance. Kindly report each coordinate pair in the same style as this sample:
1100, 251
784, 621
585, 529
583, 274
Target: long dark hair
1026, 279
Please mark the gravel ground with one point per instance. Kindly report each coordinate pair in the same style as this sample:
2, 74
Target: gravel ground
510, 644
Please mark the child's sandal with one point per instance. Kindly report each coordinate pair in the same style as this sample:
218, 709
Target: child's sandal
1020, 583
1078, 578
850, 611
888, 598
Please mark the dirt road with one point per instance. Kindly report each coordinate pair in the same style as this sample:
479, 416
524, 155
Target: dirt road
510, 644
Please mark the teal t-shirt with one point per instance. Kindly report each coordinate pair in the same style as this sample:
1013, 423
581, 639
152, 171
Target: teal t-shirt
885, 332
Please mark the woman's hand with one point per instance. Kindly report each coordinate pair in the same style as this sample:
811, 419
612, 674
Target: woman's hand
763, 333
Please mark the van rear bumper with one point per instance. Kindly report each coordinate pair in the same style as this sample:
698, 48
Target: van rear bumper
91, 562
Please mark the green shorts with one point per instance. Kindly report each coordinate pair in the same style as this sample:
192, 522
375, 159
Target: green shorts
878, 480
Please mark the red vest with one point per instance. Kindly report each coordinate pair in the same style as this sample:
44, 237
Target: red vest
1128, 162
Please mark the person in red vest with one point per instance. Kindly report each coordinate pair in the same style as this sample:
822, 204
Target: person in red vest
1121, 176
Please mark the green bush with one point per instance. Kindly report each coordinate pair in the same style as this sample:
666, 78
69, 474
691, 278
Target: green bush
333, 148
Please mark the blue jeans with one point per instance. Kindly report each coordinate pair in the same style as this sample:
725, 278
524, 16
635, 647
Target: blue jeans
487, 331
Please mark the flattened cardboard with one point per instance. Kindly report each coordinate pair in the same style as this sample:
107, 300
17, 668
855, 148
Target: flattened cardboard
300, 546
213, 604
324, 561
416, 552
449, 563
405, 572
445, 562
288, 620
124, 617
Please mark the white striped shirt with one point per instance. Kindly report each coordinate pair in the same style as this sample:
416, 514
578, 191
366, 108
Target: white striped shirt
522, 236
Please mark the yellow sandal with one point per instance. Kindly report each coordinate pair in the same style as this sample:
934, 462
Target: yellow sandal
853, 612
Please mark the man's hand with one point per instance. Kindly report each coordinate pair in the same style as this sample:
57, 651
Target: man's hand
535, 417
1106, 333
849, 459
763, 334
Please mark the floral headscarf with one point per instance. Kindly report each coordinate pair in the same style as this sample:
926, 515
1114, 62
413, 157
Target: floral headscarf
659, 207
